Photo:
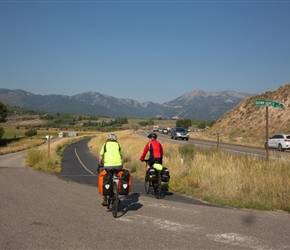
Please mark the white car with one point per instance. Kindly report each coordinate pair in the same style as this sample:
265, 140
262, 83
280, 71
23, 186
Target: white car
279, 141
164, 131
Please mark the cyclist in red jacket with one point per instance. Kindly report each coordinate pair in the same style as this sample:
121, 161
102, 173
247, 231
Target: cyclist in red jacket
155, 149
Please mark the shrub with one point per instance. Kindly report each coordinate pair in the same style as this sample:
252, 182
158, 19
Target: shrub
31, 132
1, 132
35, 156
187, 150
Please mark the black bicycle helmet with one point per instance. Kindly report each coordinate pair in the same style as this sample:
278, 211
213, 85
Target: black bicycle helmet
152, 136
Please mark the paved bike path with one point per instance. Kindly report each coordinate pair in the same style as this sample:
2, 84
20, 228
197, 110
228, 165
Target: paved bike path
80, 165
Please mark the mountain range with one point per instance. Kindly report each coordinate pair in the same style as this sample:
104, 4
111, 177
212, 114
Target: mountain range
195, 104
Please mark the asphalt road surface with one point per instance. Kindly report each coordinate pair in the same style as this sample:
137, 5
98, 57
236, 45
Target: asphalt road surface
236, 148
42, 211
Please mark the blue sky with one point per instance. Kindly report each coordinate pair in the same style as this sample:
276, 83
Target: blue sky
144, 50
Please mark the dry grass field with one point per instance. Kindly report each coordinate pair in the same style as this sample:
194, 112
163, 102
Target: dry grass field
212, 175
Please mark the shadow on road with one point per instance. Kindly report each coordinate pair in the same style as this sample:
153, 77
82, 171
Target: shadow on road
129, 203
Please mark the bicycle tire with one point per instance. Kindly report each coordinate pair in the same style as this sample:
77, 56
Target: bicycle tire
157, 186
147, 186
115, 200
109, 202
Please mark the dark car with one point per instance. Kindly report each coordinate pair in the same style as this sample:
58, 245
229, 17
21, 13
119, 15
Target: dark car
179, 132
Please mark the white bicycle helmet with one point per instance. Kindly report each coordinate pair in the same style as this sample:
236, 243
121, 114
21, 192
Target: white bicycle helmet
112, 137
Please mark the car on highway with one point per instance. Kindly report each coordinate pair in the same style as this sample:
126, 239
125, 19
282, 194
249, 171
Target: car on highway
155, 128
165, 131
179, 132
278, 141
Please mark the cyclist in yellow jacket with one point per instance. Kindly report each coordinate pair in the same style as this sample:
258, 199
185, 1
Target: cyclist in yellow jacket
110, 157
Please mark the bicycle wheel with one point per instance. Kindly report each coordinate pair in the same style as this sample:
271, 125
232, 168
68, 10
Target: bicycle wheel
109, 202
115, 200
157, 186
147, 185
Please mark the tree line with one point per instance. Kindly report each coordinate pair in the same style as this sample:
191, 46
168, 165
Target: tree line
69, 121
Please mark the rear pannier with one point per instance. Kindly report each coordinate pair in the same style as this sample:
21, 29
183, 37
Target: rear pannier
105, 182
152, 174
125, 182
165, 175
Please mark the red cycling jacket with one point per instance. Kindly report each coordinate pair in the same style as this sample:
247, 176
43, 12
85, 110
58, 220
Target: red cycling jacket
155, 149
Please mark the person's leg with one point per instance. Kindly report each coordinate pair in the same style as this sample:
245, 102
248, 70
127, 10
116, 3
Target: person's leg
147, 175
105, 202
147, 166
150, 163
105, 198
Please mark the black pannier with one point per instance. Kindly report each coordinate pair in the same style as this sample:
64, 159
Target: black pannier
125, 182
152, 174
165, 175
105, 182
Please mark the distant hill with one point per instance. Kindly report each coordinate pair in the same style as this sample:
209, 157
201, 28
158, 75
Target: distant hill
249, 121
196, 104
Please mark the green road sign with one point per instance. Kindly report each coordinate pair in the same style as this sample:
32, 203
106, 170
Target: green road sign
261, 103
268, 103
277, 105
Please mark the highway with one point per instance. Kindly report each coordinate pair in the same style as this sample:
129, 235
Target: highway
234, 148
42, 211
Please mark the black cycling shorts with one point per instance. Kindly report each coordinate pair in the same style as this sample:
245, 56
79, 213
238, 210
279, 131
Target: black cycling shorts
151, 161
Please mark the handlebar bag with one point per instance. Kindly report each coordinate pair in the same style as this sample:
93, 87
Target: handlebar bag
105, 182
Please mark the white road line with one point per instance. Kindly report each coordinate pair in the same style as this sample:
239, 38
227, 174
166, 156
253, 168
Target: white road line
162, 206
240, 240
162, 224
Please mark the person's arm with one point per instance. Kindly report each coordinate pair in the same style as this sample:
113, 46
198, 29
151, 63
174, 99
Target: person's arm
101, 156
120, 151
146, 148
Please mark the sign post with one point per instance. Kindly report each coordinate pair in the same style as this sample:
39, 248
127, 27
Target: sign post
267, 133
48, 137
267, 104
